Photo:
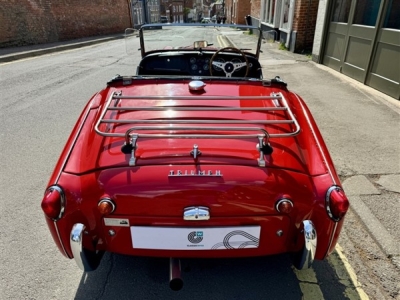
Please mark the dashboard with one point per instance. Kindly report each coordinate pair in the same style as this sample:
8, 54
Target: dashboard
197, 63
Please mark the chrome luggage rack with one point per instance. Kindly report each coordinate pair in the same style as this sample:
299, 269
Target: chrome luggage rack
166, 128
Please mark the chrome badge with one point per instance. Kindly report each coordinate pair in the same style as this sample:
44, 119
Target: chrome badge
177, 173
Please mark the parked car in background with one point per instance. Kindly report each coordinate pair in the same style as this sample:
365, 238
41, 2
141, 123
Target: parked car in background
164, 19
206, 20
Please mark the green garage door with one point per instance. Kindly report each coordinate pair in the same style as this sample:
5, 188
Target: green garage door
384, 73
363, 42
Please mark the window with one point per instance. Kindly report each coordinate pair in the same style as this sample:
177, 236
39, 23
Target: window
366, 12
286, 14
268, 12
341, 11
392, 19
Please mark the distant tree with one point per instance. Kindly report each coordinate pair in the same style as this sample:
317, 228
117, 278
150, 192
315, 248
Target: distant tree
186, 11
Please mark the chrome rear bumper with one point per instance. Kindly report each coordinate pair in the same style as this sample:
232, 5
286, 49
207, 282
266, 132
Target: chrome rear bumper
85, 259
90, 260
305, 258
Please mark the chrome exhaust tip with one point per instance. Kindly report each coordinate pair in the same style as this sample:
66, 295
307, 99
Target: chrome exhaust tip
175, 280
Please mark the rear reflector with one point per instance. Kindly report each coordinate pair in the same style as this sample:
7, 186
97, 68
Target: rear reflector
53, 202
337, 203
284, 206
105, 206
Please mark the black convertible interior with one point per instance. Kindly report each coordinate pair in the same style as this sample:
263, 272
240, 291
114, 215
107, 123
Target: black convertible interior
226, 62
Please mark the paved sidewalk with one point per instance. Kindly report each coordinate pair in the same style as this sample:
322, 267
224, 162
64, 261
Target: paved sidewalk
360, 125
16, 53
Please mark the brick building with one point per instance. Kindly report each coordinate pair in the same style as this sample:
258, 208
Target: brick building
27, 22
293, 21
177, 11
236, 11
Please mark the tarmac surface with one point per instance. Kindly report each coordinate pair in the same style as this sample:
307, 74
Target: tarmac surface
370, 120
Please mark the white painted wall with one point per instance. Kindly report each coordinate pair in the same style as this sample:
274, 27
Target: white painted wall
319, 27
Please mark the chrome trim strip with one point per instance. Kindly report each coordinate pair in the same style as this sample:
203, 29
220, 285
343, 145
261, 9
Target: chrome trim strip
317, 142
214, 97
60, 190
62, 168
328, 193
73, 144
59, 238
327, 166
331, 239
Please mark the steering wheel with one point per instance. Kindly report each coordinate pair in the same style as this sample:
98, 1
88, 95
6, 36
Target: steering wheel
229, 66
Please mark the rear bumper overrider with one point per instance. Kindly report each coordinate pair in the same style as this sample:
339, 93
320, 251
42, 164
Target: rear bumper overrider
86, 260
305, 257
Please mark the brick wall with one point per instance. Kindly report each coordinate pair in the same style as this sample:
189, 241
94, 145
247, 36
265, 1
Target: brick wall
243, 9
255, 8
236, 12
304, 21
27, 22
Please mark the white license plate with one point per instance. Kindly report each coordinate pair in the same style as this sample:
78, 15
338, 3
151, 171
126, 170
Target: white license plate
172, 238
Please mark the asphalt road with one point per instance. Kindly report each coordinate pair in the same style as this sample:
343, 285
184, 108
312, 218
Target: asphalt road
41, 100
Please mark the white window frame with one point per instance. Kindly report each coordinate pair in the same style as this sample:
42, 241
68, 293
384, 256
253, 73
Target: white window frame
266, 13
292, 4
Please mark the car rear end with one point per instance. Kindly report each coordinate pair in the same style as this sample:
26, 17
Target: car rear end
219, 173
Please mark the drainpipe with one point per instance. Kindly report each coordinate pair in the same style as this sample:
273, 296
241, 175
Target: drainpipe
130, 12
307, 26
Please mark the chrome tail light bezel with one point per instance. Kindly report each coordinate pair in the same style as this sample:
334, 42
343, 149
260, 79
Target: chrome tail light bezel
109, 201
328, 202
280, 201
62, 200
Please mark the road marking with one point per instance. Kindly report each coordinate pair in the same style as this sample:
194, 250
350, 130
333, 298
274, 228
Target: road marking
346, 275
221, 41
309, 285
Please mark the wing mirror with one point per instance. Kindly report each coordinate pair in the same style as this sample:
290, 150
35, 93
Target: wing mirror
200, 44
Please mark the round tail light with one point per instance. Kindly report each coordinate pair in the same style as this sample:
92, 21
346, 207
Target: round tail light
106, 206
53, 202
337, 203
284, 206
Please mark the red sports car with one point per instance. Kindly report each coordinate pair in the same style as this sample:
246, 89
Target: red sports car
196, 155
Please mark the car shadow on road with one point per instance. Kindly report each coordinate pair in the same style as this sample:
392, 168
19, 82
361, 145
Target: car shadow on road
126, 277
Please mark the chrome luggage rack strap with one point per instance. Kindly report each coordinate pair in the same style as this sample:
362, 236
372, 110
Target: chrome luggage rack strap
165, 127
